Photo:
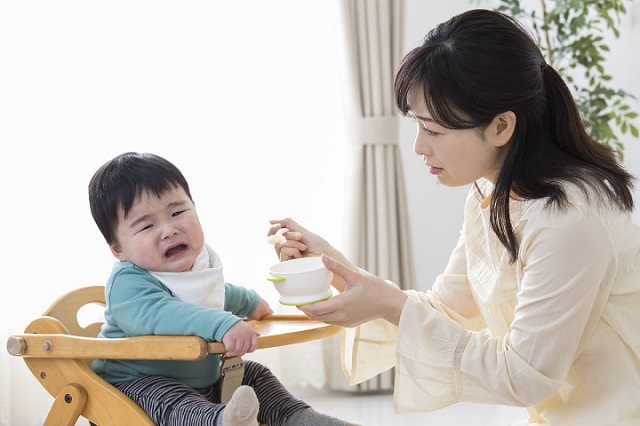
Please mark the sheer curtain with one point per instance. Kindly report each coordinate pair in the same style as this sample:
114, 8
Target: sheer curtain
377, 237
243, 96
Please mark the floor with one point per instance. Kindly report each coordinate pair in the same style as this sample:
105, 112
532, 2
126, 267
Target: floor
377, 410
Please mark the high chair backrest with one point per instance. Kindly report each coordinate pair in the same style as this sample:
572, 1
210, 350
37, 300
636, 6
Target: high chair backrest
68, 307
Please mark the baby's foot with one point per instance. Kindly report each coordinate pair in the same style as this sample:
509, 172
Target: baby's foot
242, 408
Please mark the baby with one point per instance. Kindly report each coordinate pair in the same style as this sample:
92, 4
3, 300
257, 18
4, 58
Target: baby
168, 281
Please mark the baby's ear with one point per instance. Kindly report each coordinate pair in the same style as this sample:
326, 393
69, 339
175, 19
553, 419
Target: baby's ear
117, 252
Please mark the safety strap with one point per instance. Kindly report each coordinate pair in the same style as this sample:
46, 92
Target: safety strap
231, 374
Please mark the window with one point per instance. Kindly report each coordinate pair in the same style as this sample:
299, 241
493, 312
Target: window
243, 96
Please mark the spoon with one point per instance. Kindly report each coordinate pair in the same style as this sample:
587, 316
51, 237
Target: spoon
278, 237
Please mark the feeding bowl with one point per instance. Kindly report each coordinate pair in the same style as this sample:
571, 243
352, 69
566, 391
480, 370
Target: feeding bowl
301, 281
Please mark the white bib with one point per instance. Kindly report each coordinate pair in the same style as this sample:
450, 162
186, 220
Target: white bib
202, 285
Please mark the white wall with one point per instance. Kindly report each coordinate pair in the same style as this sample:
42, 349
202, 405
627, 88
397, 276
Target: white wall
435, 210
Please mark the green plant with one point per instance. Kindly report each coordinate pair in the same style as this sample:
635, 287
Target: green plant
571, 35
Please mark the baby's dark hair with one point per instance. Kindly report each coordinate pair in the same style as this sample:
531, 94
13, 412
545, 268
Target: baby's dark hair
120, 181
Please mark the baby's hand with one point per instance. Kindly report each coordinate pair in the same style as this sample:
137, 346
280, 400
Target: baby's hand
262, 310
240, 339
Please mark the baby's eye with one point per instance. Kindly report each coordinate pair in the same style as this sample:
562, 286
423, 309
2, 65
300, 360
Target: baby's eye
149, 226
178, 213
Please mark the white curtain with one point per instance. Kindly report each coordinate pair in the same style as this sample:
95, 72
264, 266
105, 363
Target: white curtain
377, 237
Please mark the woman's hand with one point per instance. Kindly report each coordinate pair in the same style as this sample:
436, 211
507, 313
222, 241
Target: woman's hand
301, 242
365, 298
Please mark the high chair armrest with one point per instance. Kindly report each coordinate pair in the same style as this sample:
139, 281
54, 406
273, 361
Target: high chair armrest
47, 337
140, 347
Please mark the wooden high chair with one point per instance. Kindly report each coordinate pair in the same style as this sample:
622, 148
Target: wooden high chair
59, 351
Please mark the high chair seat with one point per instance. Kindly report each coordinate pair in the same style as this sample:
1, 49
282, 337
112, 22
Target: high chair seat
59, 351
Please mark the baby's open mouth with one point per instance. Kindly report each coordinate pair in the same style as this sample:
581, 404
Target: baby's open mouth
175, 250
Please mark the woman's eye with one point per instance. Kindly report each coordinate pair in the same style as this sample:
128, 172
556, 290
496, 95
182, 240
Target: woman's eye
426, 130
421, 125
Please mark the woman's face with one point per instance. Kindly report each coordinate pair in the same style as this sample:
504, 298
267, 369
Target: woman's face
460, 157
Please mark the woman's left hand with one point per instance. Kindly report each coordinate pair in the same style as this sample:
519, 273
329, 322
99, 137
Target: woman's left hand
365, 297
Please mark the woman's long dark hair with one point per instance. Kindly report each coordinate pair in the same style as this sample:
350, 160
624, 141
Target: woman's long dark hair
482, 63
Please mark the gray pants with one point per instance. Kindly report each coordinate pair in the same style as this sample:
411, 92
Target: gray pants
169, 402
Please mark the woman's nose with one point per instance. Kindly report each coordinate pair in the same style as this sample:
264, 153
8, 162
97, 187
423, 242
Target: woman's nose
421, 145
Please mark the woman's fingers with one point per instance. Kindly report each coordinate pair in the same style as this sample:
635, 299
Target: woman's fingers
292, 247
284, 223
338, 268
290, 250
322, 311
287, 253
338, 309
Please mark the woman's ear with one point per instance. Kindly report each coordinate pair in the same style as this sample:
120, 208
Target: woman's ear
502, 128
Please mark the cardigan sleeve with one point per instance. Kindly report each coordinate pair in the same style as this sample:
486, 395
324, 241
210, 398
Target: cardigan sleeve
370, 348
451, 293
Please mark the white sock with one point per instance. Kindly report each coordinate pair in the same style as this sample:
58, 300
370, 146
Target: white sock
242, 408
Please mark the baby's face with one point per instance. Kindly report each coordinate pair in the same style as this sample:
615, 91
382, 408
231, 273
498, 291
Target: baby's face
161, 234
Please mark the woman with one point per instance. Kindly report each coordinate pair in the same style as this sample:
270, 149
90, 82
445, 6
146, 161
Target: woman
539, 302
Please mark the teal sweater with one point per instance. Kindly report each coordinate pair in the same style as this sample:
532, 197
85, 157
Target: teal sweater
138, 304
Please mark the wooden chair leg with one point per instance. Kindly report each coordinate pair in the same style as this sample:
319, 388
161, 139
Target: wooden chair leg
67, 406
